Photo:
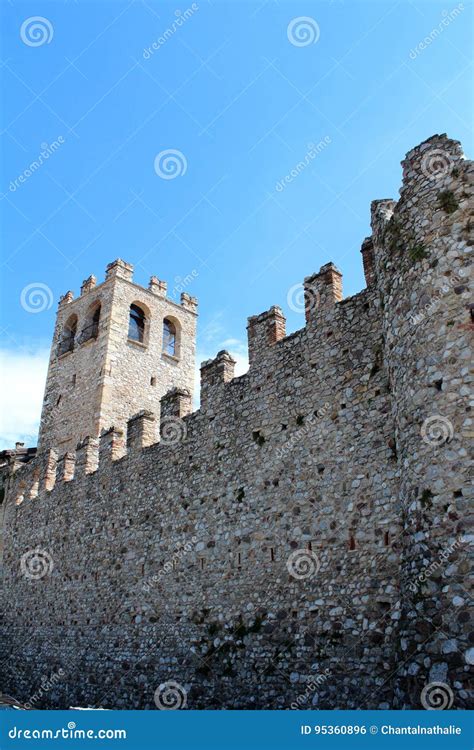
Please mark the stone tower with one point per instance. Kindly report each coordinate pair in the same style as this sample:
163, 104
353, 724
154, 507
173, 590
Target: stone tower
117, 349
421, 262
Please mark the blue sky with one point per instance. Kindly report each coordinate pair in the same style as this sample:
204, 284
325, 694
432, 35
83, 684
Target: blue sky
239, 89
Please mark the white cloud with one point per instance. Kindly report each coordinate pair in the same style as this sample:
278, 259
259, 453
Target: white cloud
22, 381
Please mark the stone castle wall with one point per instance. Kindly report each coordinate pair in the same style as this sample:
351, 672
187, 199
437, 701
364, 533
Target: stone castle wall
282, 546
422, 250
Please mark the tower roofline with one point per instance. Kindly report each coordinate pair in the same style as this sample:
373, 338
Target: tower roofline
120, 270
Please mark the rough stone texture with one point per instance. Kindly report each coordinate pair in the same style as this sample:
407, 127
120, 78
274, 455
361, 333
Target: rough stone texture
300, 541
108, 378
9, 462
422, 266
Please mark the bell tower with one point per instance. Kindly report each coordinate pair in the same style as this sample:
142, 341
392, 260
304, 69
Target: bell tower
117, 349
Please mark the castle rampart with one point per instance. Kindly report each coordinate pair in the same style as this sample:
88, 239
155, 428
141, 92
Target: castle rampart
284, 530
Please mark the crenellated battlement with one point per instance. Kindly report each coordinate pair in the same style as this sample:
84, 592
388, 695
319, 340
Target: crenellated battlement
120, 269
344, 446
435, 185
143, 430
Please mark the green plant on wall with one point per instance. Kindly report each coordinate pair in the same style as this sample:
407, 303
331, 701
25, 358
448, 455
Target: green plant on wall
448, 202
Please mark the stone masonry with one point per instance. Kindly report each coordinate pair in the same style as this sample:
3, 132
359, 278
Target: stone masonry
107, 377
299, 541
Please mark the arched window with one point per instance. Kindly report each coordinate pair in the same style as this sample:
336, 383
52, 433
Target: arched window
169, 338
136, 324
68, 335
91, 329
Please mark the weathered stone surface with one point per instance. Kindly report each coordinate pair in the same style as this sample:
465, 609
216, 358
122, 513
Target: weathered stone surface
107, 377
299, 541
